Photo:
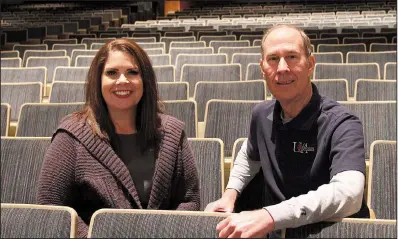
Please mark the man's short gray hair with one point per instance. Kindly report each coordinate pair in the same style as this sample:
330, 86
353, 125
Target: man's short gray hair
306, 39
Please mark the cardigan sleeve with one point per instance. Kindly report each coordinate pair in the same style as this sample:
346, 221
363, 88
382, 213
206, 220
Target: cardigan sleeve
188, 197
57, 176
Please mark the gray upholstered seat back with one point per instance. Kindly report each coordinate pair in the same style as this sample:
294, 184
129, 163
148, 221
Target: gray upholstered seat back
21, 162
382, 174
183, 59
209, 158
76, 74
67, 92
244, 59
160, 59
37, 221
236, 90
5, 118
375, 128
50, 63
164, 73
173, 90
41, 120
17, 94
218, 117
193, 73
390, 71
11, 62
186, 111
328, 57
69, 48
174, 52
350, 72
375, 90
154, 224
336, 89
348, 229
380, 58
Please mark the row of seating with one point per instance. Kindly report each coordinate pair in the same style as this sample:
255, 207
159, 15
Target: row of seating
131, 223
71, 29
41, 119
83, 26
22, 158
376, 16
286, 8
263, 23
253, 38
195, 14
236, 30
18, 94
292, 15
92, 20
28, 23
193, 68
207, 10
331, 25
343, 53
113, 16
260, 14
368, 44
240, 55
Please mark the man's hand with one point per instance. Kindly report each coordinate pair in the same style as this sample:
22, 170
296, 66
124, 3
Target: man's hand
249, 224
225, 204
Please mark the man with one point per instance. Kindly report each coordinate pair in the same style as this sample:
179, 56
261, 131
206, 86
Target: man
310, 148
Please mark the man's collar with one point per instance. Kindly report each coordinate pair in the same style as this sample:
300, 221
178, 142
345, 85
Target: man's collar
305, 118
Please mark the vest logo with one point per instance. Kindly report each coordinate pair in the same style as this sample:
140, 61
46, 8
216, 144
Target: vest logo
300, 147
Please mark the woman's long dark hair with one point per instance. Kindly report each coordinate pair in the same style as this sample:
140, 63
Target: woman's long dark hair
96, 113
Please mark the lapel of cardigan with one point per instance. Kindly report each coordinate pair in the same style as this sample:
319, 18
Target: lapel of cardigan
166, 162
103, 152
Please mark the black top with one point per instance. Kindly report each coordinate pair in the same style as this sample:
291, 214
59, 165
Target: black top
306, 152
141, 165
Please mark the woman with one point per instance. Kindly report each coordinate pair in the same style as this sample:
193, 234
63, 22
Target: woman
119, 151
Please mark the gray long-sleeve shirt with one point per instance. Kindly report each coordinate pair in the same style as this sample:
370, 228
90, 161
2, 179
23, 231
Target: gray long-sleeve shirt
341, 197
